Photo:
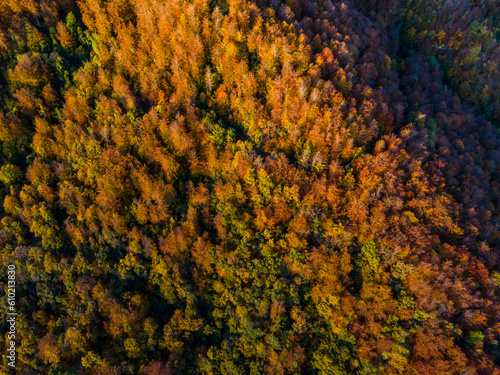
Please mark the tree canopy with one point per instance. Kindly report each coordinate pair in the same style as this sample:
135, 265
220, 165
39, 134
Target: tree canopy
251, 187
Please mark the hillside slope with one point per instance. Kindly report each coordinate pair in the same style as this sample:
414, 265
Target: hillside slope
212, 187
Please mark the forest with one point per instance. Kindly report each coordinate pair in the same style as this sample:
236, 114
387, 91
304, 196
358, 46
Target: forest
250, 187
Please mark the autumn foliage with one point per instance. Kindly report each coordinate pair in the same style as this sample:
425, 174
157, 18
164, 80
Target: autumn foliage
251, 187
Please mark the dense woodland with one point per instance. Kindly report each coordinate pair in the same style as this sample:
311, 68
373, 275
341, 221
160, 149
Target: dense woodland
251, 187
